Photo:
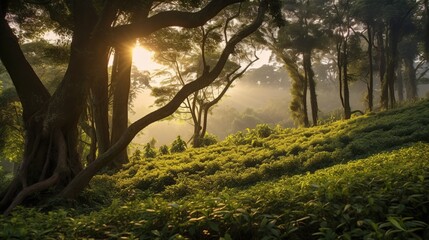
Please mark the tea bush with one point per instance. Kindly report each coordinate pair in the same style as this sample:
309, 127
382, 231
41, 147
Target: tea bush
365, 178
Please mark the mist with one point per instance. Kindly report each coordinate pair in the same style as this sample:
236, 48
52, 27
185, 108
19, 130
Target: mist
244, 106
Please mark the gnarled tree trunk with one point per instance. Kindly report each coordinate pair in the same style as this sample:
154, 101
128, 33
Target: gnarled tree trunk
51, 160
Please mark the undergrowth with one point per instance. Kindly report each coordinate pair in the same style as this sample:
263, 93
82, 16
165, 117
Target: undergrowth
366, 178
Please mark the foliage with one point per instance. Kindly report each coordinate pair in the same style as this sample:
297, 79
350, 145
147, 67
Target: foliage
163, 150
178, 145
137, 155
149, 152
11, 127
208, 139
5, 178
366, 178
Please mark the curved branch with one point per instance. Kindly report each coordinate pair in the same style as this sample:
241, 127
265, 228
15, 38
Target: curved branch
169, 19
83, 178
228, 20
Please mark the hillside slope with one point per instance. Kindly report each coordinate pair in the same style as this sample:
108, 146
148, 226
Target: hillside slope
363, 178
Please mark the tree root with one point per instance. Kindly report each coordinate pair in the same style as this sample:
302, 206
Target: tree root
37, 187
15, 196
10, 193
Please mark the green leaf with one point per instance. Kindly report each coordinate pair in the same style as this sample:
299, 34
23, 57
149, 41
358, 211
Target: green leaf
394, 221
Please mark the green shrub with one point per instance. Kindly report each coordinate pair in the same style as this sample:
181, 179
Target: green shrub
149, 152
163, 150
178, 145
318, 160
238, 138
263, 130
208, 139
136, 156
286, 188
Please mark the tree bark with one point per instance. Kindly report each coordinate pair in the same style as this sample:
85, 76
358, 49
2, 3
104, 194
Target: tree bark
50, 154
346, 92
29, 88
121, 73
298, 105
100, 101
381, 54
411, 81
394, 35
370, 95
399, 82
312, 87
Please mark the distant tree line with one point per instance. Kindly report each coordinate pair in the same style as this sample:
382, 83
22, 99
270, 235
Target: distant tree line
361, 40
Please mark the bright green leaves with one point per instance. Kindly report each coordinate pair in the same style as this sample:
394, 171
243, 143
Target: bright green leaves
299, 184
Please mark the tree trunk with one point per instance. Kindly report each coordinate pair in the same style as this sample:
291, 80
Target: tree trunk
346, 92
121, 72
370, 95
196, 112
312, 87
49, 161
50, 158
394, 38
29, 88
304, 101
298, 90
411, 81
88, 128
399, 82
426, 33
340, 72
382, 70
100, 100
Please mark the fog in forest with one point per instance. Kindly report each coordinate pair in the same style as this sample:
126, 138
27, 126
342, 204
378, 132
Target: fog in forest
250, 102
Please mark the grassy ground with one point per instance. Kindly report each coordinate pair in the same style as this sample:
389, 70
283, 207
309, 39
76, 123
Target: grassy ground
366, 178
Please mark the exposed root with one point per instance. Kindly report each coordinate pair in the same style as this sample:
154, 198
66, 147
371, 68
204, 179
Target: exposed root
13, 188
24, 166
357, 111
37, 187
15, 195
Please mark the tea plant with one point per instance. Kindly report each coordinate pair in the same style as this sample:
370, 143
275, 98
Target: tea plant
366, 178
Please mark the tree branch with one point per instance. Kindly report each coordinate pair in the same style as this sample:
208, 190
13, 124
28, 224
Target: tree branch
32, 94
168, 19
83, 178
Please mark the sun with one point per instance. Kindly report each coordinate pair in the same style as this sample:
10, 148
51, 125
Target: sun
143, 59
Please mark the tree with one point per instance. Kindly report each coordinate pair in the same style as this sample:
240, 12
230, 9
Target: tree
408, 52
295, 42
342, 31
50, 157
396, 17
367, 12
121, 77
194, 59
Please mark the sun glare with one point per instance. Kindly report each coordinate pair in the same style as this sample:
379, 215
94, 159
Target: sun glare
143, 59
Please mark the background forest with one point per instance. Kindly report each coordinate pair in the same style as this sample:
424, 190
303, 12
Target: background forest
351, 58
259, 103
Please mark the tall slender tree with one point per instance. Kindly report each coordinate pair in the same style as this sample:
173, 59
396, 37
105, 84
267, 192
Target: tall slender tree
304, 34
